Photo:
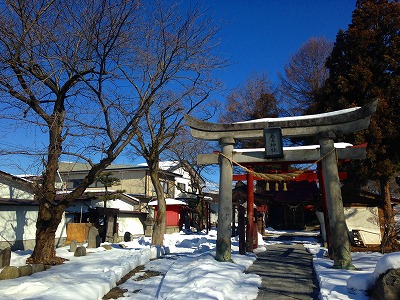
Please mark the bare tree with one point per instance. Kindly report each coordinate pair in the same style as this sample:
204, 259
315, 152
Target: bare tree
185, 150
252, 100
64, 67
304, 74
180, 44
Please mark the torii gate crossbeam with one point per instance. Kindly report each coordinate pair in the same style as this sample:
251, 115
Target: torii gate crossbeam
324, 126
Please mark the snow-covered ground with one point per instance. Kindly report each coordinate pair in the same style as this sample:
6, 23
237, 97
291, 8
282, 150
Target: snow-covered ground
188, 271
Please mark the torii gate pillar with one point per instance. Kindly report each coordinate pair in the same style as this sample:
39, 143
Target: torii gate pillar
223, 247
337, 223
250, 213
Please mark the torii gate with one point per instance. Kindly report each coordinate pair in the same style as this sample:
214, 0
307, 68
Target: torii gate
325, 127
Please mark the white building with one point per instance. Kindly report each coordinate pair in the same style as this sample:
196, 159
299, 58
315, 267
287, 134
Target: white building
18, 214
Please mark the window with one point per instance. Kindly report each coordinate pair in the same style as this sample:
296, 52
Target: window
76, 182
97, 184
164, 185
194, 189
181, 186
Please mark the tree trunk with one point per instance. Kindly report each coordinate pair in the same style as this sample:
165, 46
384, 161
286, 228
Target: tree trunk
389, 242
200, 211
50, 210
160, 224
49, 218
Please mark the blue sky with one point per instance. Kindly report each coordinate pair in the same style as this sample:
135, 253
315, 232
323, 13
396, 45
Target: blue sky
260, 36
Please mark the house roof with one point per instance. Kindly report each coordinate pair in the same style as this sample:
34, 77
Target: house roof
365, 197
24, 202
169, 201
89, 194
192, 196
16, 181
174, 165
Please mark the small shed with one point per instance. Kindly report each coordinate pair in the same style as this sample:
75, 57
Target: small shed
174, 212
120, 214
365, 217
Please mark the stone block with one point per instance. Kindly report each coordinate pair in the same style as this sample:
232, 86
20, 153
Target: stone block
73, 246
98, 241
107, 247
148, 228
115, 238
127, 237
37, 268
387, 286
80, 251
93, 238
9, 272
25, 270
5, 257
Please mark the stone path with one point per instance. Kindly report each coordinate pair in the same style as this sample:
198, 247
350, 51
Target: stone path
287, 273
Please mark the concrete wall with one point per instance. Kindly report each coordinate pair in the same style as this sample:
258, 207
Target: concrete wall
129, 223
132, 182
18, 227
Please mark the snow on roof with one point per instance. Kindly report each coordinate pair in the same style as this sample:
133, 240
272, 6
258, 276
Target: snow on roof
168, 164
164, 165
169, 201
25, 176
307, 117
131, 197
337, 145
88, 191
